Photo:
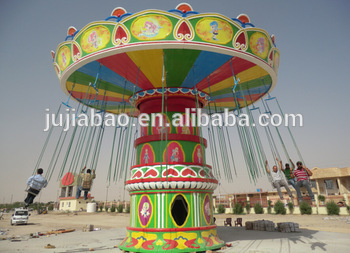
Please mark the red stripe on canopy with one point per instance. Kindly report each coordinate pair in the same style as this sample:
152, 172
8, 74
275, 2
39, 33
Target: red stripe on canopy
82, 95
225, 72
248, 98
125, 67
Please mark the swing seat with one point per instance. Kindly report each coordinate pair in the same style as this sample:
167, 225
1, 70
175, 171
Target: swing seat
29, 190
271, 98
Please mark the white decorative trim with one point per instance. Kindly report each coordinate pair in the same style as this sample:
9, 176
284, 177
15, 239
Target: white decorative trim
162, 212
159, 207
171, 185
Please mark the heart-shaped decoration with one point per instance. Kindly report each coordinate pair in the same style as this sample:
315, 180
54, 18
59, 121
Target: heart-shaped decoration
240, 41
188, 173
171, 172
202, 173
76, 52
121, 35
138, 174
184, 30
151, 173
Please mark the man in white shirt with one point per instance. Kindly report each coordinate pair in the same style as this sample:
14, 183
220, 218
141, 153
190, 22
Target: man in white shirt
35, 183
278, 179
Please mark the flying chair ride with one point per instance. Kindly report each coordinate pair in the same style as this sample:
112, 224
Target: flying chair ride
163, 62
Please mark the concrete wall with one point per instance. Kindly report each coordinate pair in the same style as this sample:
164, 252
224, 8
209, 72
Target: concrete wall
73, 204
345, 185
324, 190
315, 210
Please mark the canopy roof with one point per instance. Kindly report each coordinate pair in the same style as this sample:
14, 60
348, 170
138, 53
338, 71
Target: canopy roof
107, 62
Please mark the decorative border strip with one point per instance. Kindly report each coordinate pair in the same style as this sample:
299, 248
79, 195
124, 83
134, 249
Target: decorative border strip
170, 137
171, 191
171, 229
164, 164
202, 96
120, 36
133, 185
176, 171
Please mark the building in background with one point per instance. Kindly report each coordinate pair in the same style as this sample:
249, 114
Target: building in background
333, 183
67, 190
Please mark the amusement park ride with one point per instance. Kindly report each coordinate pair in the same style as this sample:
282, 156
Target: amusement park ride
165, 62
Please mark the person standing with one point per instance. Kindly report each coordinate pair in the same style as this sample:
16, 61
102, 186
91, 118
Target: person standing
278, 179
87, 182
302, 175
35, 183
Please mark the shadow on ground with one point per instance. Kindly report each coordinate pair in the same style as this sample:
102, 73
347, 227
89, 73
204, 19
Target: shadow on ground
243, 240
27, 224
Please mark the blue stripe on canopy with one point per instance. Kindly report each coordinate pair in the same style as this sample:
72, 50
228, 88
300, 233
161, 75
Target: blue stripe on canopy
107, 75
252, 91
206, 63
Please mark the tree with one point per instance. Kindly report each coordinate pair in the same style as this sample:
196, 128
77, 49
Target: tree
238, 209
247, 207
332, 208
258, 209
120, 208
221, 208
279, 208
305, 208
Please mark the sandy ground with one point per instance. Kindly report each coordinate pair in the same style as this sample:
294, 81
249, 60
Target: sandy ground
339, 224
54, 221
320, 233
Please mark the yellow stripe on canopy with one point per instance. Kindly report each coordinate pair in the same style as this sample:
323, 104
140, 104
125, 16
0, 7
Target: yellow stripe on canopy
245, 76
83, 89
150, 63
251, 74
226, 104
228, 82
128, 111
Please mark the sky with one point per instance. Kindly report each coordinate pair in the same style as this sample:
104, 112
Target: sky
312, 36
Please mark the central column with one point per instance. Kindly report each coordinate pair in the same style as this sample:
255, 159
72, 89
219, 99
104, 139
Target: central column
171, 187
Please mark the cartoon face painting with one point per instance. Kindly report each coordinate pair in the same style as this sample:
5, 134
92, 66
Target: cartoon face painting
276, 61
165, 128
93, 39
175, 155
214, 26
260, 45
146, 154
143, 131
207, 209
160, 128
145, 210
185, 130
146, 157
199, 155
150, 29
64, 59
